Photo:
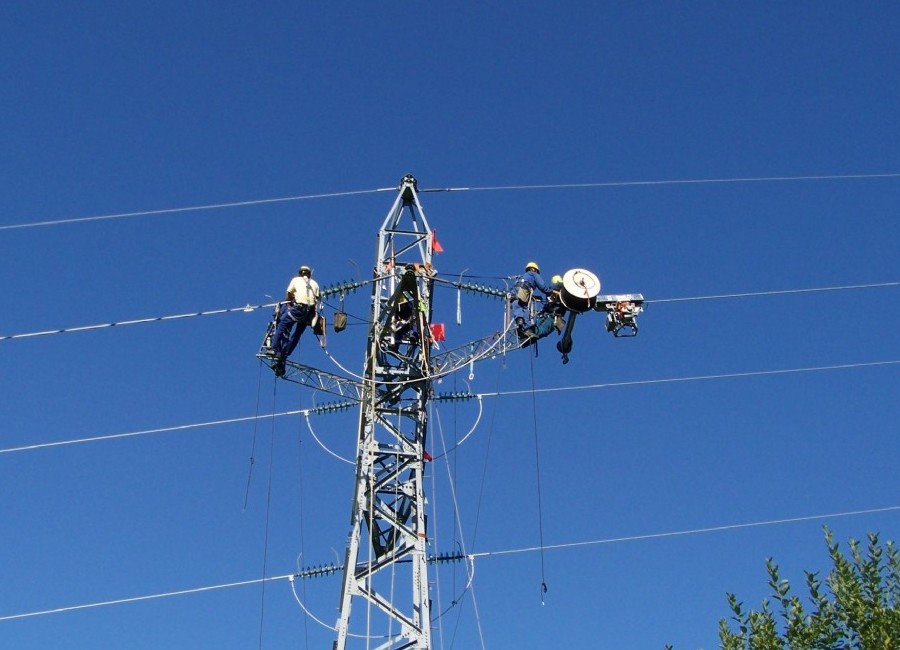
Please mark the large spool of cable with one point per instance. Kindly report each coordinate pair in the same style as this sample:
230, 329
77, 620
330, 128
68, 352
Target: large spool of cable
579, 290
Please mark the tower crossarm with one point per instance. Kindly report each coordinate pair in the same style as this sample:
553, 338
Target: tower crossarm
331, 569
489, 347
322, 380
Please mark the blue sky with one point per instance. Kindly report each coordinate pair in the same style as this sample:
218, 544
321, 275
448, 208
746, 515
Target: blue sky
113, 108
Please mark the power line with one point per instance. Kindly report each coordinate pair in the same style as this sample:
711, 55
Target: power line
682, 533
251, 308
509, 393
479, 555
673, 380
193, 208
775, 293
139, 321
135, 599
698, 181
146, 432
486, 188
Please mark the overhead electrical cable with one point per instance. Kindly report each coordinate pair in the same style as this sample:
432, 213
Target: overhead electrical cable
193, 208
695, 181
481, 555
316, 619
251, 308
673, 380
145, 432
69, 330
484, 188
683, 533
471, 430
321, 444
479, 396
136, 599
754, 294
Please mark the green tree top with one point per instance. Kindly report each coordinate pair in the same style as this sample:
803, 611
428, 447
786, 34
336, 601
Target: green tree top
855, 609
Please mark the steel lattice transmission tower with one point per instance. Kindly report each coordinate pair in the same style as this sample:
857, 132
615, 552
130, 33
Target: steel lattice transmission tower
386, 567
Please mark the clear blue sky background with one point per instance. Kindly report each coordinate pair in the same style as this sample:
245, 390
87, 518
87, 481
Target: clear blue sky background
111, 108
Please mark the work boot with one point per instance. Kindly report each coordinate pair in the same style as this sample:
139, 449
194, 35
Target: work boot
528, 336
520, 326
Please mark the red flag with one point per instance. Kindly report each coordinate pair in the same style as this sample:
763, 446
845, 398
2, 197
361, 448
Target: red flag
438, 333
435, 245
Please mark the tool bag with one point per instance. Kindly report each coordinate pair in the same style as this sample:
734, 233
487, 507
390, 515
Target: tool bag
340, 317
340, 321
318, 326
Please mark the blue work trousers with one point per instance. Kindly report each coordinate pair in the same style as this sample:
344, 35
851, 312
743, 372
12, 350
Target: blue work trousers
519, 309
292, 323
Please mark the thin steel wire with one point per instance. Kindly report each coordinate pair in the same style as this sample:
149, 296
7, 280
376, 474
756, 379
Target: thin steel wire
473, 556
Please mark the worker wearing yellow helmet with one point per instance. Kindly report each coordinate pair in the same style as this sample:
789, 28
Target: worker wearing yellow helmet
520, 298
550, 316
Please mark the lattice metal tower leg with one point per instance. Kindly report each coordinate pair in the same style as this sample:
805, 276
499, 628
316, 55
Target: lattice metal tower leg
391, 574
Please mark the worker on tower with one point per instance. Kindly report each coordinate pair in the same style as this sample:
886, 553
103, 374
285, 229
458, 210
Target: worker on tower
297, 311
401, 323
550, 315
553, 307
522, 296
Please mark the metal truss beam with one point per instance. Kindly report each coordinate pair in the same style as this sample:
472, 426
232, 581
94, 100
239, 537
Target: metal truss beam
389, 497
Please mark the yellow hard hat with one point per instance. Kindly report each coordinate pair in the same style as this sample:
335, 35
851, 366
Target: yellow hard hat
533, 265
556, 279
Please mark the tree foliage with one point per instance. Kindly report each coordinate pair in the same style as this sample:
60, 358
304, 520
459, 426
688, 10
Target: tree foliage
857, 606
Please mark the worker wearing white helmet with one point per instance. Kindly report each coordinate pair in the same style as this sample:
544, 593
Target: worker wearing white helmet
303, 290
297, 311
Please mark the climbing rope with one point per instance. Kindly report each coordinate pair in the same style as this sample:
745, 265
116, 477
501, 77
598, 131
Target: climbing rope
537, 462
458, 526
262, 597
253, 442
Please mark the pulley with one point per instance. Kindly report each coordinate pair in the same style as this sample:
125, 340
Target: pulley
579, 290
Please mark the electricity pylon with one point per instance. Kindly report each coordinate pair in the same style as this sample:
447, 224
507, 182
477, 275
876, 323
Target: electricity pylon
386, 569
389, 572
